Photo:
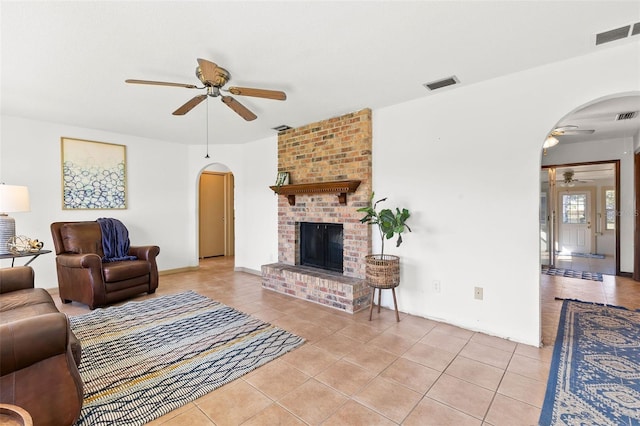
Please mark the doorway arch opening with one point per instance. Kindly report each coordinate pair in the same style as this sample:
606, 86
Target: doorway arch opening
587, 183
594, 154
215, 211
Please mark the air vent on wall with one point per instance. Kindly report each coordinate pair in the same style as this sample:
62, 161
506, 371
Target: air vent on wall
636, 29
442, 83
626, 115
612, 35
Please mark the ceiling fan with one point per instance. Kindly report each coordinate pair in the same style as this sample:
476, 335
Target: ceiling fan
567, 130
569, 180
214, 78
570, 130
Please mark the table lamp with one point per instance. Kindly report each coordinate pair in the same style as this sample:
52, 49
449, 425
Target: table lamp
13, 198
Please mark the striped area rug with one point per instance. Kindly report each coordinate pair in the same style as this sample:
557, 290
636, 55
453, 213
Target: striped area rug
594, 276
144, 359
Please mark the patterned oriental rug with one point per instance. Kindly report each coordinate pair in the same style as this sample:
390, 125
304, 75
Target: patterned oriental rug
144, 359
595, 370
594, 276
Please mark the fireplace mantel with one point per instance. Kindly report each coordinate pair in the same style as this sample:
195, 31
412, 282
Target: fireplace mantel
341, 187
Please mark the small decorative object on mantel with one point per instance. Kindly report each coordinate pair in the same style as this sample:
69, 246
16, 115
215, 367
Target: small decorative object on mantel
282, 179
383, 271
21, 245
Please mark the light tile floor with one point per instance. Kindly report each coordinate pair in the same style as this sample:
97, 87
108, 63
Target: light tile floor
355, 372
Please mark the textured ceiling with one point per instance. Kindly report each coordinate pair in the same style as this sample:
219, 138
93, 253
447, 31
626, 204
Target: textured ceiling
66, 62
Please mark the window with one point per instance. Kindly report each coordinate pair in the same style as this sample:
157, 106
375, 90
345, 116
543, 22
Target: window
574, 208
610, 209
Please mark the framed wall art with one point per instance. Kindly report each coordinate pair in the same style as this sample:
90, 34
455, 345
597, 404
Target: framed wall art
93, 175
282, 179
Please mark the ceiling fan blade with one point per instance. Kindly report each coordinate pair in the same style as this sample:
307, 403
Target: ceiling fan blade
191, 104
578, 132
569, 130
208, 70
565, 128
238, 108
258, 93
161, 83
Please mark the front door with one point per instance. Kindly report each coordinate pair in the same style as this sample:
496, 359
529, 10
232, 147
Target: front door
574, 230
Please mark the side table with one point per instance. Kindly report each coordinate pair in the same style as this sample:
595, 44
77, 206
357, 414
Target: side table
34, 255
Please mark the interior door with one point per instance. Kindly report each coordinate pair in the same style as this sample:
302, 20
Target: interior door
212, 215
574, 227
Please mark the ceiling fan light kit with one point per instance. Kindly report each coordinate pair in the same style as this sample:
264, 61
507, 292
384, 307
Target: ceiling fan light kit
214, 78
550, 142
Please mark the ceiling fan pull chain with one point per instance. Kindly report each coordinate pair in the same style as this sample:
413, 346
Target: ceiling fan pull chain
207, 156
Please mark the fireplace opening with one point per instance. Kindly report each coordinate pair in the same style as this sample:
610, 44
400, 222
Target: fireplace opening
321, 245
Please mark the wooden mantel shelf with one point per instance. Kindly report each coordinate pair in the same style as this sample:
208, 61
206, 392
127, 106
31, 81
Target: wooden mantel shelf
341, 187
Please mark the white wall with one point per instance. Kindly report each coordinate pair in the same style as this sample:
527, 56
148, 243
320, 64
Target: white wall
156, 182
466, 162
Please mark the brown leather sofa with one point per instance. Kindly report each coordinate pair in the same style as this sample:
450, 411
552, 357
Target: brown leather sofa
39, 353
83, 276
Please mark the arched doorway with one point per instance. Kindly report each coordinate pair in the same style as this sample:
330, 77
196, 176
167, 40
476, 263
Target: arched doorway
581, 157
216, 218
600, 134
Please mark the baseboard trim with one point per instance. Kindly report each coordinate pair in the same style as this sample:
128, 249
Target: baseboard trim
178, 270
247, 270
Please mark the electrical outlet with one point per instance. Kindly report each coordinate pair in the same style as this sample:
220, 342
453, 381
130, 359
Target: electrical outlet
436, 286
477, 293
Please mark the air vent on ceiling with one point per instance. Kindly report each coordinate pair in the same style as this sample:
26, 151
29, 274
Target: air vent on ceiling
626, 115
442, 83
612, 35
636, 29
281, 128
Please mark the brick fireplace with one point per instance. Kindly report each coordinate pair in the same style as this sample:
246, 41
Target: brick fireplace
322, 158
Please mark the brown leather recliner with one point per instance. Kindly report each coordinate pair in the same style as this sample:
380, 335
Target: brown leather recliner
39, 353
83, 276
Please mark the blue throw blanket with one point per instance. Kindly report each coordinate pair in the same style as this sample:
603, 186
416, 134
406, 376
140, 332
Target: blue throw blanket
115, 240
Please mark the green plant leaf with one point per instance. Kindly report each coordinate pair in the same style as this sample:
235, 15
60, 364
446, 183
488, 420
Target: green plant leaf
388, 222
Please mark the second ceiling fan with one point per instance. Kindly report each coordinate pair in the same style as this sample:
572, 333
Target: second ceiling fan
570, 130
214, 78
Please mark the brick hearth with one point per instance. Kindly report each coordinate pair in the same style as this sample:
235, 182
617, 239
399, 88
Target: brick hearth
331, 150
324, 287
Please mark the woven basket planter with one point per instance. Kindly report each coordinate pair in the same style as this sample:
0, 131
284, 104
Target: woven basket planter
383, 271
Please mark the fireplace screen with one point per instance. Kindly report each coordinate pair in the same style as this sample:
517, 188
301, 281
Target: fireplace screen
321, 245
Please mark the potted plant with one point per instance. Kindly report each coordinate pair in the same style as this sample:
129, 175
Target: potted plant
383, 271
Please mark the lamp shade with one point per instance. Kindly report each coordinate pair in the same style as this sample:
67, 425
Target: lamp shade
14, 198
